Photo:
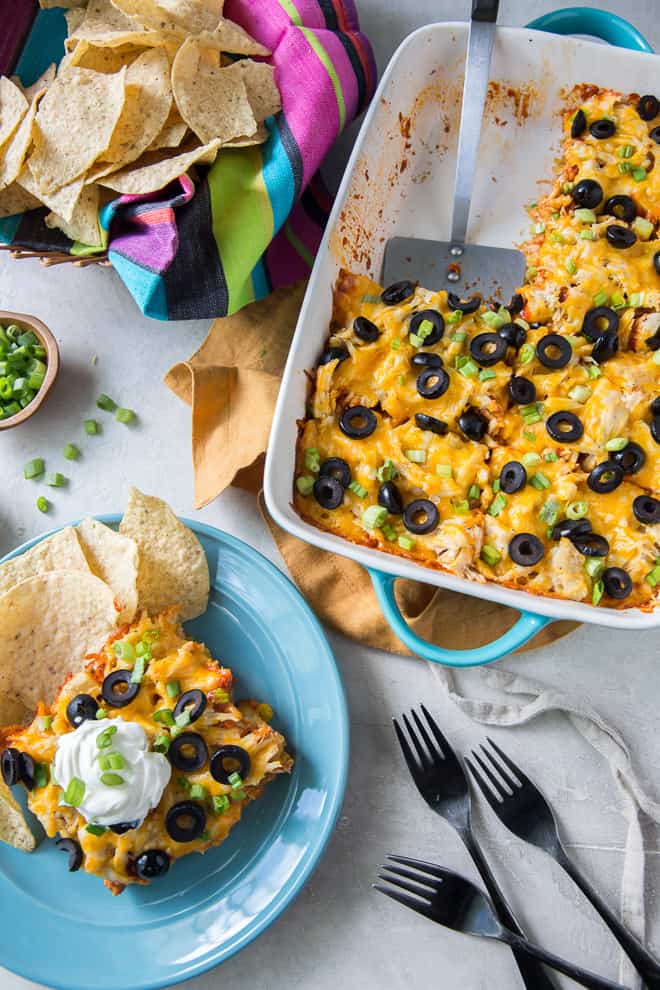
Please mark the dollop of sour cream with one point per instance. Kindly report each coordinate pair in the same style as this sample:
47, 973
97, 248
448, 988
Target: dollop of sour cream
145, 774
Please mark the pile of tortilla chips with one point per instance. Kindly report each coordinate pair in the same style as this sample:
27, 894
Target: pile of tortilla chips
146, 89
61, 600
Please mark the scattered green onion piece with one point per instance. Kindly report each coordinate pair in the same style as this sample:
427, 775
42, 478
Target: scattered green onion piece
526, 354
529, 435
401, 381
643, 228
585, 216
617, 301
498, 503
444, 470
532, 417
387, 471
530, 459
601, 298
173, 689
624, 167
416, 456
594, 567
33, 469
395, 343
455, 317
142, 649
616, 443
636, 300
496, 320
580, 393
653, 576
161, 744
235, 780
577, 510
138, 670
571, 267
305, 484
71, 452
425, 329
469, 369
220, 696
407, 543
124, 650
164, 716
101, 714
374, 516
111, 779
538, 228
116, 761
474, 492
91, 427
490, 555
183, 718
197, 792
41, 774
415, 340
597, 592
75, 792
44, 722
567, 187
461, 506
220, 803
626, 151
55, 479
656, 357
388, 532
458, 336
357, 489
43, 504
125, 416
521, 323
638, 174
496, 485
106, 403
95, 829
238, 795
312, 460
104, 739
587, 235
550, 456
540, 481
593, 371
486, 374
550, 511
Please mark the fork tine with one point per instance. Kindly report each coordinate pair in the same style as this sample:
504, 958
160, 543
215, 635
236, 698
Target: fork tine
405, 899
408, 754
407, 885
495, 785
445, 748
509, 763
494, 799
409, 875
423, 758
433, 752
439, 872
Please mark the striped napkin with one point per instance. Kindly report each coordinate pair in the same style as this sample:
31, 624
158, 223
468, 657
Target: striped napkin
254, 221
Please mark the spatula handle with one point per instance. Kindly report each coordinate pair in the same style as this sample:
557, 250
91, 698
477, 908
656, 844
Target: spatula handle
475, 88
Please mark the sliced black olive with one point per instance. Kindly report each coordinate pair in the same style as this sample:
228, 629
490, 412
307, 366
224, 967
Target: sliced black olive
117, 689
194, 702
75, 853
152, 863
598, 321
514, 335
655, 134
653, 342
432, 316
578, 124
620, 237
621, 207
185, 821
646, 509
564, 426
358, 422
328, 491
526, 549
365, 329
602, 129
617, 583
389, 497
473, 424
336, 467
238, 759
488, 348
431, 424
466, 306
11, 763
631, 459
420, 516
332, 353
605, 477
398, 293
655, 406
27, 770
605, 347
648, 107
587, 193
590, 544
522, 390
82, 708
554, 351
655, 428
432, 383
513, 477
426, 359
656, 261
121, 828
188, 752
517, 304
570, 528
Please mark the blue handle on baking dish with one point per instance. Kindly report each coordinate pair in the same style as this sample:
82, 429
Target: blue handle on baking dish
616, 31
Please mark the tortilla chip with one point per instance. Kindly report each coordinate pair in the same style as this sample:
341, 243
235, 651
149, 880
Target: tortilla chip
108, 60
260, 136
13, 107
48, 625
213, 101
15, 151
262, 91
173, 569
62, 3
62, 202
74, 19
74, 125
173, 132
84, 223
114, 559
42, 83
231, 37
60, 552
107, 26
14, 199
14, 829
154, 170
188, 16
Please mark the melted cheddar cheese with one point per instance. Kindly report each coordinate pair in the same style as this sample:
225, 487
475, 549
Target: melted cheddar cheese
174, 658
572, 268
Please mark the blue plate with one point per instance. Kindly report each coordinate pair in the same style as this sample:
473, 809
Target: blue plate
67, 931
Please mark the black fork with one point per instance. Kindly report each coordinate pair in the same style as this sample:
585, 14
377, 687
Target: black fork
443, 784
521, 806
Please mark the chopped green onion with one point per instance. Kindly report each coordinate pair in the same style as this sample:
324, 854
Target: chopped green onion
653, 576
587, 235
400, 381
617, 301
101, 714
624, 167
44, 722
183, 718
538, 228
197, 792
496, 320
526, 354
636, 300
138, 670
638, 174
567, 187
220, 696
406, 543
643, 228
521, 323
532, 417
656, 357
143, 649
124, 650
374, 516
173, 689
43, 504
161, 744
498, 503
571, 267
106, 403
577, 510
496, 485
474, 492
125, 416
183, 783
529, 435
461, 506
490, 555
238, 795
33, 469
111, 779
305, 484
388, 532
531, 459
91, 427
164, 716
104, 739
55, 479
585, 216
486, 374
597, 592
387, 471
601, 298
540, 481
444, 470
395, 343
550, 511
458, 336
416, 456
357, 489
220, 803
235, 780
580, 393
115, 761
626, 151
616, 443
71, 452
425, 329
550, 456
75, 792
41, 774
594, 567
455, 317
312, 460
593, 371
95, 829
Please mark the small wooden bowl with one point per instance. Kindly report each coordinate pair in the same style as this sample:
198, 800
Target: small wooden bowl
49, 343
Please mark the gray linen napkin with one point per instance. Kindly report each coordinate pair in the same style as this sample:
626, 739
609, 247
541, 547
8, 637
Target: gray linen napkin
521, 700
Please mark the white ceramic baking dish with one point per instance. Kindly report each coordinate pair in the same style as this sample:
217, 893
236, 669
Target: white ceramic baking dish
399, 181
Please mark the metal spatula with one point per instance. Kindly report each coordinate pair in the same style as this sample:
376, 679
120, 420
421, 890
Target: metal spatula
454, 265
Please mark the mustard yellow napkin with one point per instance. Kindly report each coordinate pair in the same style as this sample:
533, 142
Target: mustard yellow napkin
232, 382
